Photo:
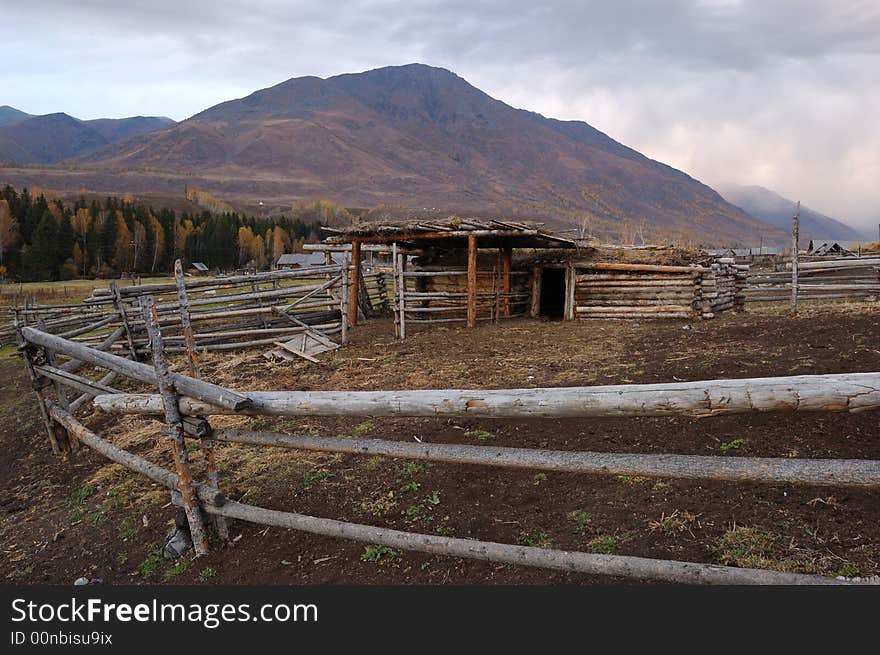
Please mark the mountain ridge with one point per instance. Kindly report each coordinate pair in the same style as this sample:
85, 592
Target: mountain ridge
773, 208
51, 138
417, 136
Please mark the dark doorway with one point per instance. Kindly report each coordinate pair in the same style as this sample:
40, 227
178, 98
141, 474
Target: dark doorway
552, 293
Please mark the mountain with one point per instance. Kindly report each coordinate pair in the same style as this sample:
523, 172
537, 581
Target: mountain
11, 115
409, 135
53, 137
115, 129
772, 208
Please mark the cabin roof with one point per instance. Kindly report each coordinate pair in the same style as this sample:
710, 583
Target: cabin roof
451, 233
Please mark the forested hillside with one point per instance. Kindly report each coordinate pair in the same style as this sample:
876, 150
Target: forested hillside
48, 239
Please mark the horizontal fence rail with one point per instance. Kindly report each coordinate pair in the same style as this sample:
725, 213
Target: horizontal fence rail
840, 392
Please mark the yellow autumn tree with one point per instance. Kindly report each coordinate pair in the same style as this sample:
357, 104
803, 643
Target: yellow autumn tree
280, 242
158, 242
122, 245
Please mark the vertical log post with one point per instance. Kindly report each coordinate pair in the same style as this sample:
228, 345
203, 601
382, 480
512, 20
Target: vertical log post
175, 431
472, 281
192, 358
570, 282
120, 308
354, 290
192, 361
794, 258
37, 384
401, 258
535, 308
506, 259
345, 299
395, 308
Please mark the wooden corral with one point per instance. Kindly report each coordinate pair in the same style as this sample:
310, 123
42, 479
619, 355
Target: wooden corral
187, 404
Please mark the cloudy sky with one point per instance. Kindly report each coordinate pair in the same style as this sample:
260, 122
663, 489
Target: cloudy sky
782, 93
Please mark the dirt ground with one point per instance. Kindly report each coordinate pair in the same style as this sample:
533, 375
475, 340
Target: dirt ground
84, 517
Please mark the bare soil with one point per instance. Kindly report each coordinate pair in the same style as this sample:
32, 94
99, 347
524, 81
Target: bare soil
85, 517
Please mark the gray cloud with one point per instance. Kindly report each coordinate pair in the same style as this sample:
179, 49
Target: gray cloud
782, 93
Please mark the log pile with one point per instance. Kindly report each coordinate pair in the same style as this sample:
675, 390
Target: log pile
617, 290
722, 286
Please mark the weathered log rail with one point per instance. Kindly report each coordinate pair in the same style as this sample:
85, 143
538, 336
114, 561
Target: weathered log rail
828, 279
187, 416
223, 313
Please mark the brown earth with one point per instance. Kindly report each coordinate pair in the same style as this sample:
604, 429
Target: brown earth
61, 520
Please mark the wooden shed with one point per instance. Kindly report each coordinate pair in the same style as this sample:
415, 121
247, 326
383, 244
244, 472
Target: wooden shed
471, 270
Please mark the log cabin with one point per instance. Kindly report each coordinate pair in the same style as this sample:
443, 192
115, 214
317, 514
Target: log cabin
463, 270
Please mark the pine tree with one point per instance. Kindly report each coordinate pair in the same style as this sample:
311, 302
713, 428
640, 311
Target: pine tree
41, 260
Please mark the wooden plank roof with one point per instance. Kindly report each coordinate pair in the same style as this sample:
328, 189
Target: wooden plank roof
452, 233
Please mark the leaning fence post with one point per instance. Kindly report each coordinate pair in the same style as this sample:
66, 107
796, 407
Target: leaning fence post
27, 351
175, 427
61, 393
120, 308
192, 360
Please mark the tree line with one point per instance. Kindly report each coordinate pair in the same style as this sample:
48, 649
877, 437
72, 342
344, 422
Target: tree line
47, 239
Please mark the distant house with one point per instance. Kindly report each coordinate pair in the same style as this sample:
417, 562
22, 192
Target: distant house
197, 268
745, 254
291, 261
822, 247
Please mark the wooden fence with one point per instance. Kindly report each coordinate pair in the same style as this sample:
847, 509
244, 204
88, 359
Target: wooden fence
818, 279
223, 313
187, 403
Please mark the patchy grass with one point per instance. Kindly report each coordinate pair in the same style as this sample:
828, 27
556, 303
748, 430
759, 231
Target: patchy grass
172, 572
379, 506
363, 428
582, 520
207, 573
380, 554
538, 478
631, 479
736, 444
82, 494
410, 469
311, 478
539, 539
153, 561
607, 544
482, 435
675, 523
746, 547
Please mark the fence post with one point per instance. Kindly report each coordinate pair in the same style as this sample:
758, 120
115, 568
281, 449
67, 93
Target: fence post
402, 302
345, 300
120, 307
27, 350
395, 305
192, 360
175, 430
795, 249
